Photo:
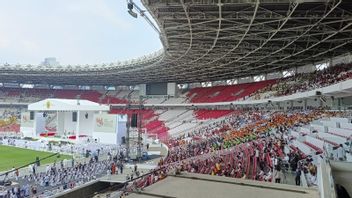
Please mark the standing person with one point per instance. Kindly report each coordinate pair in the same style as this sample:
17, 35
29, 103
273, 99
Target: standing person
30, 169
37, 161
108, 174
17, 173
350, 145
257, 155
113, 169
62, 164
13, 174
341, 153
278, 175
109, 156
298, 177
72, 162
34, 169
135, 167
47, 169
121, 168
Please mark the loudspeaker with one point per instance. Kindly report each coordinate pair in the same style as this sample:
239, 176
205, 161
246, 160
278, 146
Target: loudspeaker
74, 116
31, 115
134, 119
130, 6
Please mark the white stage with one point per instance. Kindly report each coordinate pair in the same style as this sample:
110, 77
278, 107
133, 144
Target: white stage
75, 119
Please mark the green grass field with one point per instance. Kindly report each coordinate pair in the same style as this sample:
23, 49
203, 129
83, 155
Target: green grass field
16, 157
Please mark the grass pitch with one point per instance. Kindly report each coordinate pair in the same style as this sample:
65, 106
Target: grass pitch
16, 157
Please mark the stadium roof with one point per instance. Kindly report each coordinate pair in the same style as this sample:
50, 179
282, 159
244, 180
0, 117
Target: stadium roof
209, 40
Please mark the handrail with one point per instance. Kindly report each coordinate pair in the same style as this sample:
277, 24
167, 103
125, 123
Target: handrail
26, 165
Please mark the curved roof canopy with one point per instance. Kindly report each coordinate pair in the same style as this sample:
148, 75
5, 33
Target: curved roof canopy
208, 40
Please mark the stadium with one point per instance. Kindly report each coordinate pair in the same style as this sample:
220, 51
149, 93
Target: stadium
245, 98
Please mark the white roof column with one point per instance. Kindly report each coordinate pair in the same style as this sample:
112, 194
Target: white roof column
35, 134
60, 127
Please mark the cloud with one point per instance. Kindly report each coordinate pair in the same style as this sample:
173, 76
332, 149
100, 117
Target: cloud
75, 32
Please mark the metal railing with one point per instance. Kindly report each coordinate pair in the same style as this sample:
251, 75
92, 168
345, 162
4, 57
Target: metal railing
30, 163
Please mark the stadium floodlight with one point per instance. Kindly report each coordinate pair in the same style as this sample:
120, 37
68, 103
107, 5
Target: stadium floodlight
133, 14
134, 10
130, 9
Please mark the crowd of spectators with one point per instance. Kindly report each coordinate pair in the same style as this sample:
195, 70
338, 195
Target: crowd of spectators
253, 150
243, 145
9, 112
305, 82
252, 140
244, 127
309, 170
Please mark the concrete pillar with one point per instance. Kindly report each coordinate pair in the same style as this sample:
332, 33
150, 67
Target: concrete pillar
339, 102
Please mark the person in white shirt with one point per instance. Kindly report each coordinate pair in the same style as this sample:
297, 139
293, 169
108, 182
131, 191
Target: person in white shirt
275, 161
108, 173
267, 177
313, 179
257, 154
341, 153
47, 169
30, 169
350, 145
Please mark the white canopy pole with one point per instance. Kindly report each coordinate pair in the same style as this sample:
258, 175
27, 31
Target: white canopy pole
34, 133
77, 126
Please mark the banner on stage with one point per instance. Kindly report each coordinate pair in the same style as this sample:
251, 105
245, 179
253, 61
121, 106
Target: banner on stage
25, 120
105, 123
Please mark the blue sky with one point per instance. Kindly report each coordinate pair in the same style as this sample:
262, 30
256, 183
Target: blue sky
73, 31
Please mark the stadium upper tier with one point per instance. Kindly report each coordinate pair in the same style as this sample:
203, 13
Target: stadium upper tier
209, 40
265, 89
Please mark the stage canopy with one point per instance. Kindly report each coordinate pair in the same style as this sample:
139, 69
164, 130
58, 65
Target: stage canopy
52, 104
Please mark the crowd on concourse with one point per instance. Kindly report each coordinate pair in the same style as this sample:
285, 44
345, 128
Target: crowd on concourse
62, 175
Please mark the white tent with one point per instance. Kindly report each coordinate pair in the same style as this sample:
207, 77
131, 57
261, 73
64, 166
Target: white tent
73, 116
